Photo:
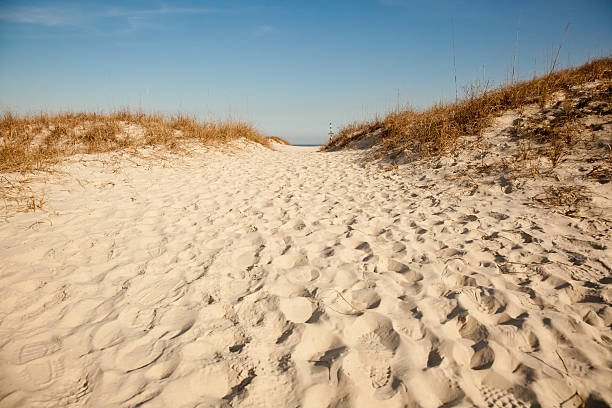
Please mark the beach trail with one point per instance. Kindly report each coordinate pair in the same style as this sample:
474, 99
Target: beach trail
293, 278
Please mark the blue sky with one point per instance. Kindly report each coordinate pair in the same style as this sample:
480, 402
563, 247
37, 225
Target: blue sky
288, 67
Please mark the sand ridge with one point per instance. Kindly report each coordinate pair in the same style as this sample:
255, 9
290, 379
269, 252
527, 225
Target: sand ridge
294, 278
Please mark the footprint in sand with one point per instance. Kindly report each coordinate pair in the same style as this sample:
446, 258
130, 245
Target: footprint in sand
72, 389
36, 347
231, 290
344, 276
206, 386
302, 274
364, 298
284, 288
79, 313
318, 352
507, 361
433, 388
406, 324
577, 364
136, 318
206, 348
290, 261
245, 258
558, 393
522, 339
454, 278
365, 247
297, 309
175, 322
107, 335
40, 374
592, 317
319, 395
476, 299
471, 329
163, 369
217, 243
438, 309
117, 388
523, 301
347, 255
337, 302
483, 356
139, 353
388, 286
391, 265
152, 291
373, 345
498, 398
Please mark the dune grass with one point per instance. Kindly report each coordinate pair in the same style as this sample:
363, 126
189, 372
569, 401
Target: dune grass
29, 143
438, 130
279, 140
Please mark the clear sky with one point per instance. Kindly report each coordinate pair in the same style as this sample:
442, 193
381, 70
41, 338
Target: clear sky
288, 67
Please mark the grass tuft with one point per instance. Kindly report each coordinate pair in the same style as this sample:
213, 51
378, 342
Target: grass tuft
438, 130
29, 143
278, 140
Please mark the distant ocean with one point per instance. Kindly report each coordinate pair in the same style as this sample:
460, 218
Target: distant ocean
308, 145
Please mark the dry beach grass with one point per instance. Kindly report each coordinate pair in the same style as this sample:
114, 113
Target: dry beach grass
35, 143
31, 142
554, 129
279, 140
438, 130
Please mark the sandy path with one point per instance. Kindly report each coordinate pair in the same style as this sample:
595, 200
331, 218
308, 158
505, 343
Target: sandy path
296, 278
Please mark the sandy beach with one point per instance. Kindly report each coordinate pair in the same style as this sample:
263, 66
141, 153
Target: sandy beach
333, 204
288, 277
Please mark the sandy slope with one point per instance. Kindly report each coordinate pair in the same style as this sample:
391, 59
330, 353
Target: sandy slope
296, 278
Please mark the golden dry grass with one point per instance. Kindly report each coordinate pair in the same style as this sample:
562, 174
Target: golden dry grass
438, 129
32, 142
279, 140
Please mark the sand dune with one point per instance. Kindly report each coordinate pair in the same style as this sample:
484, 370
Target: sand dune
289, 278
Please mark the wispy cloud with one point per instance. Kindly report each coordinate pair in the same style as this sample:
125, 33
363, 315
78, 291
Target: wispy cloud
47, 16
77, 17
263, 30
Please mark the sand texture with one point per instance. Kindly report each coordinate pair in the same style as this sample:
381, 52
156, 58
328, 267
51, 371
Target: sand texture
293, 278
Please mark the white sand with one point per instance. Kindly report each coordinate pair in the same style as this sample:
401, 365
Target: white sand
296, 278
